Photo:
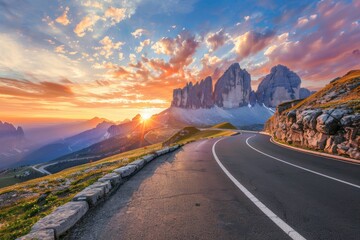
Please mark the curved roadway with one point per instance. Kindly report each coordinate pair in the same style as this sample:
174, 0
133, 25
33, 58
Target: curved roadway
240, 187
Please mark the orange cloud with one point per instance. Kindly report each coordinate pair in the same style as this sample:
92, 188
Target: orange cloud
108, 46
63, 19
86, 24
60, 49
24, 88
115, 14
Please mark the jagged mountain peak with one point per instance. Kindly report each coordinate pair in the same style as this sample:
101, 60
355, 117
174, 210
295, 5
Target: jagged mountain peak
233, 88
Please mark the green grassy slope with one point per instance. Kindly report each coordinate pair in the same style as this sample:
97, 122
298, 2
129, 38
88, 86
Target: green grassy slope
224, 125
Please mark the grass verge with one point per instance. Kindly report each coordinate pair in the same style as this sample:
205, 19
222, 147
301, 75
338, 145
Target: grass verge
23, 204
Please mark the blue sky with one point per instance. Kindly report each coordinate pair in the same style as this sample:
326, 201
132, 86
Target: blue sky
84, 57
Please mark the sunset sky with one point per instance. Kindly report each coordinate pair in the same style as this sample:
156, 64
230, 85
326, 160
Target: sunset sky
113, 59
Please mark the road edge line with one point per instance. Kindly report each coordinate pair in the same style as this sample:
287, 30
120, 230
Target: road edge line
273, 217
300, 167
319, 154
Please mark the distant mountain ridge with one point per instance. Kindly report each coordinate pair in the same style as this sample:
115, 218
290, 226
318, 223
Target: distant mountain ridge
233, 90
12, 143
232, 99
70, 144
9, 130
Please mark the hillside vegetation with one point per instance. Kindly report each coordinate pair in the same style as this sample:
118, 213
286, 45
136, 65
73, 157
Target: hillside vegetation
340, 92
23, 204
190, 134
224, 125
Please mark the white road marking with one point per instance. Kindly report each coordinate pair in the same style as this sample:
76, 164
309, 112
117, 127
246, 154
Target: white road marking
273, 217
332, 158
302, 168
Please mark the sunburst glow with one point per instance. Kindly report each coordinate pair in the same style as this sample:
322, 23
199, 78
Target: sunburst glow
145, 116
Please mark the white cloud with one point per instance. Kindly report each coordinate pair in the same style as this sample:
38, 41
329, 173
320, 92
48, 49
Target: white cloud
108, 46
142, 45
121, 56
139, 32
38, 62
93, 4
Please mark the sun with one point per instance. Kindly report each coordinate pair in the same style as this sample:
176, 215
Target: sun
145, 116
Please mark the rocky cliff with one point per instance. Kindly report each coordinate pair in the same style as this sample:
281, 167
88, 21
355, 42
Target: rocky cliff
8, 130
233, 88
278, 86
328, 120
194, 96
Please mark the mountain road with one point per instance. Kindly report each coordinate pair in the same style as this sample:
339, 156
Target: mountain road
239, 187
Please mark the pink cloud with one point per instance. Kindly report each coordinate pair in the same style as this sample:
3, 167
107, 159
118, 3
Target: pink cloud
214, 40
328, 51
251, 42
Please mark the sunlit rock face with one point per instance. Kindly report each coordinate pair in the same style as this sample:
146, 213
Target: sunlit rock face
233, 88
327, 121
279, 86
194, 96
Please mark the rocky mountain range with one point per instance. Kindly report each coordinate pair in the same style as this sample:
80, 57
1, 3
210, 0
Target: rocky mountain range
327, 121
278, 86
12, 143
9, 130
233, 90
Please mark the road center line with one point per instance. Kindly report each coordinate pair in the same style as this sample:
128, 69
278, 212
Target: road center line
302, 168
273, 217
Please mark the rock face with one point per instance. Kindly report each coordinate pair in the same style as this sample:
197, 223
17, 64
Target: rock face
278, 86
194, 96
233, 88
328, 121
304, 93
8, 130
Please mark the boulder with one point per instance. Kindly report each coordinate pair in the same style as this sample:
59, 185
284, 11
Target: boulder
114, 178
90, 195
62, 219
149, 158
139, 163
105, 185
327, 124
125, 171
44, 234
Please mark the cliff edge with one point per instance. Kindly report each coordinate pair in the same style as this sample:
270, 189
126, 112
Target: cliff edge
327, 121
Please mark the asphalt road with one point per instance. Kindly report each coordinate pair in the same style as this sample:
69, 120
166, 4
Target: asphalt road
188, 195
